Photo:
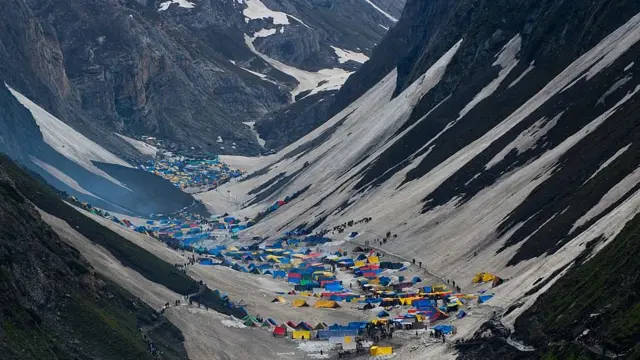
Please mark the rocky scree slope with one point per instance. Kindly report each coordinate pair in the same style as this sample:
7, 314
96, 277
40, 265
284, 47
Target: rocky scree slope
53, 304
181, 71
496, 137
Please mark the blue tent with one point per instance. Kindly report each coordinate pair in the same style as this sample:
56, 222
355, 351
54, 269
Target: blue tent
206, 262
444, 328
382, 314
484, 298
461, 314
416, 279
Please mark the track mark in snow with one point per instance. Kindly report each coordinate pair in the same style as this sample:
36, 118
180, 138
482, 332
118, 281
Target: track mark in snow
68, 142
507, 61
613, 88
346, 55
381, 11
609, 161
525, 73
181, 3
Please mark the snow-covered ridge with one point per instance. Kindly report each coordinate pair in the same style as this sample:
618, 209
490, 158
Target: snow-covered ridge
67, 141
257, 10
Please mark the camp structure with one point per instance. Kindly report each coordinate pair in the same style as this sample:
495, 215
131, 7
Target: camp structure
280, 331
250, 321
326, 304
300, 303
320, 326
279, 300
380, 350
483, 277
301, 335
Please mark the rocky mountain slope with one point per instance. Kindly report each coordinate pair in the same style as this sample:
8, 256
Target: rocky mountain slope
498, 136
53, 304
184, 71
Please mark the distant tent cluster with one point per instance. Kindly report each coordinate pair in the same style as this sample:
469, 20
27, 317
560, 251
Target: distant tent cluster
184, 172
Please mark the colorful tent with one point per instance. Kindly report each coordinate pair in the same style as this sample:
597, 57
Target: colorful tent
300, 303
483, 277
279, 331
380, 350
279, 300
326, 304
302, 334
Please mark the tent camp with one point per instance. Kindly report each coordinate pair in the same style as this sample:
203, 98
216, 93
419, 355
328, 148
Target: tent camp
326, 304
300, 303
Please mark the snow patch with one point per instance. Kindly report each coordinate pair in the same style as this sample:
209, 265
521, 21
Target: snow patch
629, 66
507, 61
525, 73
265, 33
68, 142
315, 82
141, 146
381, 11
233, 323
315, 346
613, 88
181, 3
346, 55
526, 140
257, 10
609, 161
252, 126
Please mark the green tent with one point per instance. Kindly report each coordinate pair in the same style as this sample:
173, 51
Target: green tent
250, 321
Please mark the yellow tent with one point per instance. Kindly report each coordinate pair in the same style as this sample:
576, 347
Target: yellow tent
373, 260
299, 303
279, 300
380, 350
302, 334
360, 263
326, 304
273, 257
483, 277
232, 248
439, 288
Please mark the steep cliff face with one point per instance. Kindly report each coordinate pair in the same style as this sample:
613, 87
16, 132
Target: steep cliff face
185, 71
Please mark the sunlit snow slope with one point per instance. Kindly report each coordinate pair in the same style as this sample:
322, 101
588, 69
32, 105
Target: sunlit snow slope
484, 163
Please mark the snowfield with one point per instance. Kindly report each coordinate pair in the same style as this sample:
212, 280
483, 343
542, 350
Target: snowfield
141, 146
441, 237
181, 3
68, 142
347, 55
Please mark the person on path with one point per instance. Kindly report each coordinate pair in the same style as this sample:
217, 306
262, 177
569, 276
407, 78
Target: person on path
420, 264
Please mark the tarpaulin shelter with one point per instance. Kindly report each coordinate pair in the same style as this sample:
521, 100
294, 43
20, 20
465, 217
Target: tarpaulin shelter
206, 262
484, 298
380, 350
304, 326
250, 321
382, 314
444, 328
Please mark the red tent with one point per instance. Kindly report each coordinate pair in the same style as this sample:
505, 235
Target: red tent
280, 202
279, 331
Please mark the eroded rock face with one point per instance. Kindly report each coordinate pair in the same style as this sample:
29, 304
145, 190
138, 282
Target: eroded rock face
180, 74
